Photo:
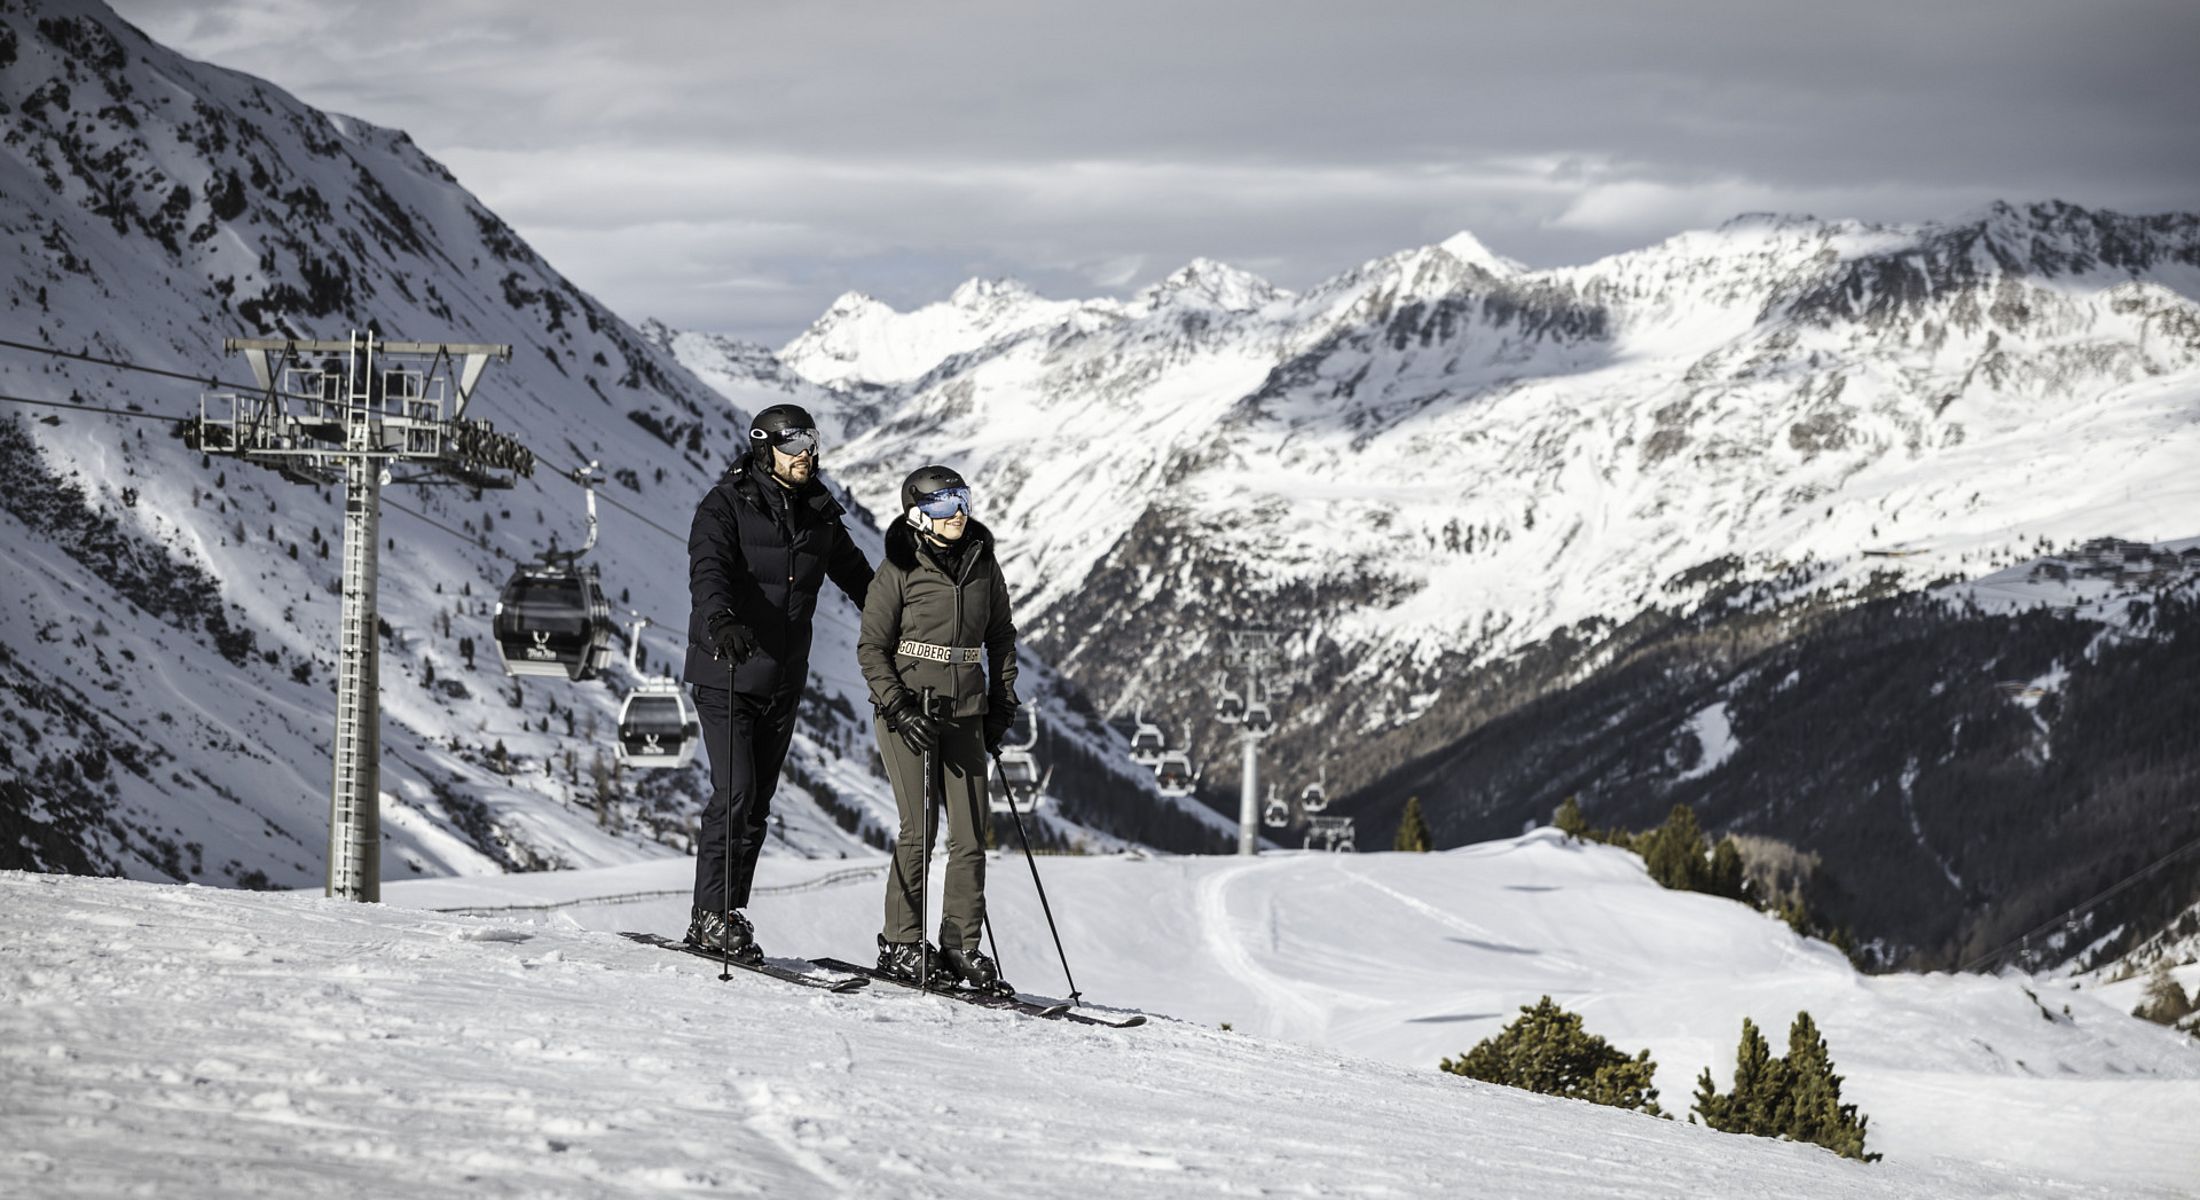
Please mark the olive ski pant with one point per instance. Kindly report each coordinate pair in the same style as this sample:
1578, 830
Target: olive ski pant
746, 737
960, 788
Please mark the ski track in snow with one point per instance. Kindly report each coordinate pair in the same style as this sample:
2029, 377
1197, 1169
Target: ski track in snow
185, 1041
1285, 1005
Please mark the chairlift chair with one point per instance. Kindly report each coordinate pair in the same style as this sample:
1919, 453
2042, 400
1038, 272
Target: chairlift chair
552, 618
658, 727
1274, 813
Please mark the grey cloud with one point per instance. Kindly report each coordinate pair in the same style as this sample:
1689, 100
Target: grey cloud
825, 145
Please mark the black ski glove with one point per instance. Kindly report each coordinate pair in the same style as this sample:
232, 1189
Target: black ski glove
999, 719
730, 640
921, 732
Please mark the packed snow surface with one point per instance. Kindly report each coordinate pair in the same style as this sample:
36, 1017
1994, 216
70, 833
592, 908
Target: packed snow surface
190, 1041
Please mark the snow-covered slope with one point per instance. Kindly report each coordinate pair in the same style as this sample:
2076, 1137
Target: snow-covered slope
167, 652
199, 1041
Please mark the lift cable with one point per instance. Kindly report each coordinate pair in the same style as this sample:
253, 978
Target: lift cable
207, 381
2071, 913
470, 539
72, 406
211, 382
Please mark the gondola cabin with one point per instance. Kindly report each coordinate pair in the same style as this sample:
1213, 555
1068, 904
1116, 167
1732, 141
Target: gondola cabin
657, 726
1022, 781
553, 620
1174, 773
1258, 718
1020, 774
1230, 708
1315, 798
1147, 745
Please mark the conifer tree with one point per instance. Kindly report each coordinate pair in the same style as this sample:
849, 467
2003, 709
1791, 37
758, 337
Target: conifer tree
1725, 877
1547, 1051
1569, 820
1759, 1079
1796, 1097
1413, 834
1812, 1110
1674, 851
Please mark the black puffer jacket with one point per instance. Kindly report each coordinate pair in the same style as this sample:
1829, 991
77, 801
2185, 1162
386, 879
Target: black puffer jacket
914, 598
764, 552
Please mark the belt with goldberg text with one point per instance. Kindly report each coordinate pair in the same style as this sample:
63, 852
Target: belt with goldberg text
945, 654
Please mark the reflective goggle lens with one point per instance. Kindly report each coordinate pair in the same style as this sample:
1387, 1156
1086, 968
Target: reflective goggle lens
944, 504
791, 442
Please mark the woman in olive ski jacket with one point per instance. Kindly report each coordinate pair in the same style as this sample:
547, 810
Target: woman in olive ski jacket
938, 602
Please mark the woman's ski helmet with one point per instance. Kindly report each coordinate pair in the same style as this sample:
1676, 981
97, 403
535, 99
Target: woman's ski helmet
933, 494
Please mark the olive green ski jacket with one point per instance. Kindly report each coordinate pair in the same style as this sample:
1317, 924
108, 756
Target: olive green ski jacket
914, 599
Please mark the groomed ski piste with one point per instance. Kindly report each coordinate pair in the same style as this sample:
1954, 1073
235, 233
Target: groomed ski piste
188, 1041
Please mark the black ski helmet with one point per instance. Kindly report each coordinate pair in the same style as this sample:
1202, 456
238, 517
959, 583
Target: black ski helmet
768, 424
925, 482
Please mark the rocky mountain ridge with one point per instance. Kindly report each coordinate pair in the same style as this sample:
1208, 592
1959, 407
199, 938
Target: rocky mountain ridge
1454, 482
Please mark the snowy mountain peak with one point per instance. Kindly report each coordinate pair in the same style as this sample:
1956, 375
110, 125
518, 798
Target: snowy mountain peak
1205, 283
860, 340
990, 293
1469, 249
853, 304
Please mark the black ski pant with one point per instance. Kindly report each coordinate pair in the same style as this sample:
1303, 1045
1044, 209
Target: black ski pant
958, 787
746, 736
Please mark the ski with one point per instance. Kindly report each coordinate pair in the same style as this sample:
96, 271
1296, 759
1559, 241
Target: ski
853, 983
1052, 1010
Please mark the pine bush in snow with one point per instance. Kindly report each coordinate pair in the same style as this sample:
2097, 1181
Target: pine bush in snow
1797, 1097
1549, 1052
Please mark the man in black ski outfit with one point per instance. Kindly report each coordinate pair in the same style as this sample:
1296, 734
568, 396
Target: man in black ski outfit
765, 539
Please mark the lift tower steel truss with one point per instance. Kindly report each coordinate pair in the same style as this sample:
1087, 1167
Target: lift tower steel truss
1253, 654
346, 412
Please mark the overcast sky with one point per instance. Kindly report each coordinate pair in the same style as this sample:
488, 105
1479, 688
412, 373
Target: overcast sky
732, 165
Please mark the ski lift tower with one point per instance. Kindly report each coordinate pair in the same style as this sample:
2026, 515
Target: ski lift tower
1252, 654
348, 412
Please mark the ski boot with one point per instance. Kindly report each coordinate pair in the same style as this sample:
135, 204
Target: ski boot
907, 961
977, 972
727, 933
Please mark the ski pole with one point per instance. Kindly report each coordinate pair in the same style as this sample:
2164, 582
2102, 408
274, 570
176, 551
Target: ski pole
1074, 996
725, 844
986, 916
987, 919
924, 864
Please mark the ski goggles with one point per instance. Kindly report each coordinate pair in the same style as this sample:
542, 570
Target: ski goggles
794, 443
945, 503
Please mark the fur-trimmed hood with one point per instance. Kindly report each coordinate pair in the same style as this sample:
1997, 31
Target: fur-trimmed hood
901, 542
